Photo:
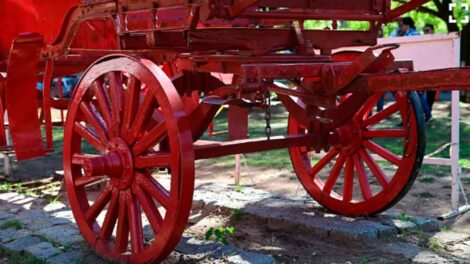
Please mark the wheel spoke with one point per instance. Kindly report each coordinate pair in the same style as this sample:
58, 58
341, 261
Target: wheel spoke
381, 115
103, 105
151, 211
333, 177
94, 121
384, 133
366, 109
322, 162
150, 139
89, 136
152, 187
362, 176
79, 159
116, 96
98, 206
122, 233
85, 180
348, 180
131, 105
111, 217
135, 225
157, 160
376, 170
383, 152
145, 112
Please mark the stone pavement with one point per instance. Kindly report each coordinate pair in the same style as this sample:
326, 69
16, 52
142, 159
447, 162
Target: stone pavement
304, 214
48, 232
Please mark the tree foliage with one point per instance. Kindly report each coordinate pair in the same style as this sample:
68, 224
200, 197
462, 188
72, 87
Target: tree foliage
435, 12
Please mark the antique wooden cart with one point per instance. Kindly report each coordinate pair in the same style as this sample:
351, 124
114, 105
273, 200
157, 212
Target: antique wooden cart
147, 96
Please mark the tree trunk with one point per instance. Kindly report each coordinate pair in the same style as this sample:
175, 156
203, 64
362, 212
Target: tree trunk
465, 57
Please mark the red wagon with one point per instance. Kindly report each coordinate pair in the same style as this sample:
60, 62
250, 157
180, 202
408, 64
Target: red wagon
147, 96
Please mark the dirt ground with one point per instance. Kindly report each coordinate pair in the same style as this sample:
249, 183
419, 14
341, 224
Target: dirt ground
429, 197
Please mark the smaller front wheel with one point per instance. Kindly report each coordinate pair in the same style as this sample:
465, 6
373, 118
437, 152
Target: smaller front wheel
125, 125
373, 161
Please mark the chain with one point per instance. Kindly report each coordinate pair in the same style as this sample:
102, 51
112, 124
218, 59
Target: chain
407, 125
267, 115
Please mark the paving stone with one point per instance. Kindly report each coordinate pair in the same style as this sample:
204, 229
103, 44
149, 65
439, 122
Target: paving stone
282, 213
250, 257
12, 234
7, 196
5, 215
62, 234
427, 224
40, 223
449, 237
29, 216
57, 206
416, 254
60, 221
361, 230
14, 210
214, 251
14, 199
403, 225
460, 250
26, 203
427, 257
220, 195
7, 234
65, 214
22, 243
71, 257
196, 247
43, 250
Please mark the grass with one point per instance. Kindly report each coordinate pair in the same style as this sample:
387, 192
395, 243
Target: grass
13, 223
237, 215
220, 234
55, 199
445, 229
437, 134
6, 187
435, 246
427, 179
406, 218
19, 257
414, 232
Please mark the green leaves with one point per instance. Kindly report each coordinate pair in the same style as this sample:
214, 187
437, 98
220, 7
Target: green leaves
220, 234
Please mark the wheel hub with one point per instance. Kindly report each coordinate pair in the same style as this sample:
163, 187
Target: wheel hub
348, 138
116, 163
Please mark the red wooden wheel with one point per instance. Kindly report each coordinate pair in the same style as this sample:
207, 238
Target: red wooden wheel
126, 122
372, 162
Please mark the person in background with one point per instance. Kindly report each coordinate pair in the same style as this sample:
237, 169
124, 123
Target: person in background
430, 95
428, 29
406, 28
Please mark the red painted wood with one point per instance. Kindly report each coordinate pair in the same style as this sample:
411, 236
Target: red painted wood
354, 141
131, 190
21, 97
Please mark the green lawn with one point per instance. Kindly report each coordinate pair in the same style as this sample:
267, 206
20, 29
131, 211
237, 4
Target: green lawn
437, 134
